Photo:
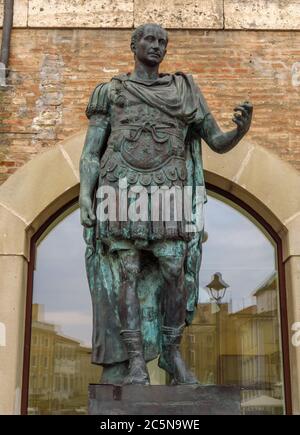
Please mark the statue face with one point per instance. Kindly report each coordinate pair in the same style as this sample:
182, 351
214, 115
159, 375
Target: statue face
152, 46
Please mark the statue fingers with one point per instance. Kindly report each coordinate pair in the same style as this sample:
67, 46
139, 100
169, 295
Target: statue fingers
238, 122
91, 215
87, 223
82, 216
238, 116
248, 106
241, 109
85, 219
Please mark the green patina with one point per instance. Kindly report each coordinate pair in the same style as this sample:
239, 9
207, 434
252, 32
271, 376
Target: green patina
143, 276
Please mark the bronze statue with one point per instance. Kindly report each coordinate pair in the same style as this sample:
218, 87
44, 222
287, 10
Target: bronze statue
146, 128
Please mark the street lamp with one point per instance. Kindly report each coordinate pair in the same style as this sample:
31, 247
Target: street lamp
217, 289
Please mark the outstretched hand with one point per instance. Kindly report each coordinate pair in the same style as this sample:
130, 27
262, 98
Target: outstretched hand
242, 117
87, 216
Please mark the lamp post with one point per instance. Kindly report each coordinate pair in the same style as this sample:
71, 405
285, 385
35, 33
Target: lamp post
217, 289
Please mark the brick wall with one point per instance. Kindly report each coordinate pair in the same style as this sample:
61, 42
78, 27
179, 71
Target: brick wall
53, 71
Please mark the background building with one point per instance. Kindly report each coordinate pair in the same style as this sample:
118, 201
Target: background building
239, 348
60, 370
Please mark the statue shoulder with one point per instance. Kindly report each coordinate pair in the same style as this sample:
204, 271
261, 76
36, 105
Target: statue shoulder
99, 101
189, 84
187, 78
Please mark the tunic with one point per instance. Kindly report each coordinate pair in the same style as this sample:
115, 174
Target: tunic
152, 142
148, 146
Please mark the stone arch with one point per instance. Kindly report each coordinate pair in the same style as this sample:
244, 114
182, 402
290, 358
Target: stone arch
42, 186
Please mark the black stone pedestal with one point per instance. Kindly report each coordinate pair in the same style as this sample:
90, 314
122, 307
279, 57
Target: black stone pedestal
163, 400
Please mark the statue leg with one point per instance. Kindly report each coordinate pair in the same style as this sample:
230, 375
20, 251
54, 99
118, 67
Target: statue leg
114, 373
174, 312
129, 312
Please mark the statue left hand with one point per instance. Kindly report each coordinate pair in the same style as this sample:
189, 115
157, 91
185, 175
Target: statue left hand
242, 117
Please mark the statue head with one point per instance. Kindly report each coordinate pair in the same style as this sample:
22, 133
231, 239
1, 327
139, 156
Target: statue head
149, 43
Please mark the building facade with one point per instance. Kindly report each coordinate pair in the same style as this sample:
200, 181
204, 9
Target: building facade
236, 50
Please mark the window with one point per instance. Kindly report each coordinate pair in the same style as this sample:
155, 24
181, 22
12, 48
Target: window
234, 339
244, 319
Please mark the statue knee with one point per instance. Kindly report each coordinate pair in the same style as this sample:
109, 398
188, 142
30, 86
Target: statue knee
171, 267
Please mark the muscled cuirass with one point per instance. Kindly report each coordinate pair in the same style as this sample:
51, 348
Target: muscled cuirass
145, 144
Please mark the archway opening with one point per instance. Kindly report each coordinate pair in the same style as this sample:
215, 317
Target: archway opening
235, 339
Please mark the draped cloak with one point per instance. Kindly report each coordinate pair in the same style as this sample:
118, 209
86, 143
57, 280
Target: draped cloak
178, 96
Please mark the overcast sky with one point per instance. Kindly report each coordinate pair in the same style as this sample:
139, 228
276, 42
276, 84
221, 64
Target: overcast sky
236, 247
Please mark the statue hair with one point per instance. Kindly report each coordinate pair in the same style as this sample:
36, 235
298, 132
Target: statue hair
139, 31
